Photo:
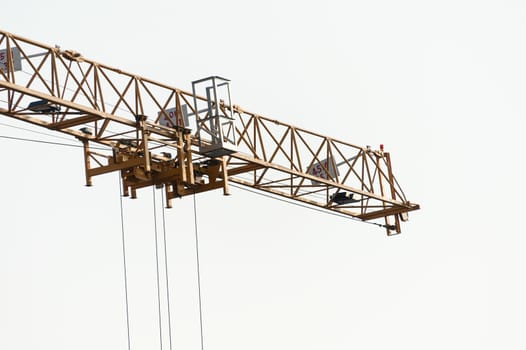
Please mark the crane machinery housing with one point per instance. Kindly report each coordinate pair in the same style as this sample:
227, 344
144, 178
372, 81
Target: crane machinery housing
190, 142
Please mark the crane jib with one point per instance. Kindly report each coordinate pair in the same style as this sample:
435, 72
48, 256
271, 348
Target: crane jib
190, 142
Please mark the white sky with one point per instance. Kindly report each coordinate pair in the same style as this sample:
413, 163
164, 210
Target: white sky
441, 84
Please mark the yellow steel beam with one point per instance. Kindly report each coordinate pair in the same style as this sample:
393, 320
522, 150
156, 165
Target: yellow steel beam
65, 124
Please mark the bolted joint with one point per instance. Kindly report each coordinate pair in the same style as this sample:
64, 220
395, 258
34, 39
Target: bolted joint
140, 118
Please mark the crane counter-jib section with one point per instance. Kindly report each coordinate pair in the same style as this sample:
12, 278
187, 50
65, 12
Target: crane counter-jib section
154, 134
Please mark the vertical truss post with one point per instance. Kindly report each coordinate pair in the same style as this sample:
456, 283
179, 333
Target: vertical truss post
393, 191
125, 190
181, 158
381, 184
225, 176
389, 228
87, 164
141, 124
167, 191
190, 178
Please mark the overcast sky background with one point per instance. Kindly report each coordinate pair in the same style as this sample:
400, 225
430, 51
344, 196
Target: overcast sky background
440, 83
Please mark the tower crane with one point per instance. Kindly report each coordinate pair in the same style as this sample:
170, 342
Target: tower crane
190, 142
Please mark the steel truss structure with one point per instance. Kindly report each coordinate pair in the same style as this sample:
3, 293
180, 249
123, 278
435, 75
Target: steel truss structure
137, 126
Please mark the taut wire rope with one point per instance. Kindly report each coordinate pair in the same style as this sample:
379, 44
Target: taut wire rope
166, 270
124, 266
198, 274
157, 270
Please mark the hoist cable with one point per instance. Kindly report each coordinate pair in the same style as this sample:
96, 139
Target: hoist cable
166, 270
157, 269
47, 142
326, 211
40, 141
35, 131
124, 266
198, 274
